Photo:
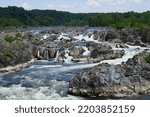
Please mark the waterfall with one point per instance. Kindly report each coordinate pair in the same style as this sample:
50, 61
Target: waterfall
57, 56
68, 59
38, 54
87, 52
46, 54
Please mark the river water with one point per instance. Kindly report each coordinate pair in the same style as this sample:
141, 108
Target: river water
48, 80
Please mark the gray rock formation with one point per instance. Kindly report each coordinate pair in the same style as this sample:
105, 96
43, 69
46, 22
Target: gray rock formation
115, 81
146, 35
16, 48
103, 52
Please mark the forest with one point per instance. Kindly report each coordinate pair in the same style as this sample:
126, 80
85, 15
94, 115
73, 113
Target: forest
14, 17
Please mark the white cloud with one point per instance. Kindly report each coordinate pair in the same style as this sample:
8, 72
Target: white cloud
25, 5
93, 3
98, 3
50, 6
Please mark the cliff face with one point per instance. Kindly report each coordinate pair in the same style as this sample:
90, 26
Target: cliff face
15, 48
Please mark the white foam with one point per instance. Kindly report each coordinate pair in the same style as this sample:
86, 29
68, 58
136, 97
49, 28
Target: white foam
57, 56
45, 36
87, 52
78, 66
64, 36
68, 59
56, 90
129, 53
86, 38
45, 66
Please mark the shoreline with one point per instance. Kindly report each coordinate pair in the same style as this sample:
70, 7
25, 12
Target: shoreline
17, 67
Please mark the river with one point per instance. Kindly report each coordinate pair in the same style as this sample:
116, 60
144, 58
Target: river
48, 80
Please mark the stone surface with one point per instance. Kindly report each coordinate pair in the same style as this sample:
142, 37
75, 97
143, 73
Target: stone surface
116, 81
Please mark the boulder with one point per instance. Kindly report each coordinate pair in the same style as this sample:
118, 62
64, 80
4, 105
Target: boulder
114, 81
76, 52
146, 36
105, 52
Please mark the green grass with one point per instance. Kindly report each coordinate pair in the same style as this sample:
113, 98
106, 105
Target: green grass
147, 59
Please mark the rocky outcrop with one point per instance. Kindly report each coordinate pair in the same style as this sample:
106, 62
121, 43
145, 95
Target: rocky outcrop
130, 36
16, 67
115, 81
101, 52
107, 35
146, 35
16, 48
76, 52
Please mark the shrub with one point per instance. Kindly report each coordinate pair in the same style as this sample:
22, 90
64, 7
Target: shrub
7, 55
18, 36
9, 38
147, 59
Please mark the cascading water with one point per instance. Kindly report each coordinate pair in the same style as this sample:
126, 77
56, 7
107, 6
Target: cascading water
87, 52
67, 59
46, 54
38, 53
57, 56
49, 79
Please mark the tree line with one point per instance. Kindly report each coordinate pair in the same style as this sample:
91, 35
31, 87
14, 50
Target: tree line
13, 17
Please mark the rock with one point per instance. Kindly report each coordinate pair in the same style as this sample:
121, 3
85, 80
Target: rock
129, 35
146, 36
105, 52
76, 52
112, 34
20, 50
116, 41
91, 82
115, 81
17, 67
107, 35
122, 45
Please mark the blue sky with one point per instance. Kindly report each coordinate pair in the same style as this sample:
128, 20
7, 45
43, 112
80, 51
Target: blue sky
82, 6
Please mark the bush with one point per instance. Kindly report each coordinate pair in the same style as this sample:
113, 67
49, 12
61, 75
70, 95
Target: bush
7, 55
147, 59
9, 38
18, 36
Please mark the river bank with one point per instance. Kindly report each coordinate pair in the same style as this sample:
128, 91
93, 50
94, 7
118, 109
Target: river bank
17, 67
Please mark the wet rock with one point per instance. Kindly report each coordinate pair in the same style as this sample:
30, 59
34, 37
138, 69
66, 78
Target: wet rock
105, 52
122, 45
116, 41
76, 52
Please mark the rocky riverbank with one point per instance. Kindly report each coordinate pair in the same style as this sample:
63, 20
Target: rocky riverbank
115, 81
17, 67
16, 48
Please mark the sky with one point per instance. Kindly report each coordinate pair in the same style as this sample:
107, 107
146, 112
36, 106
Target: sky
81, 6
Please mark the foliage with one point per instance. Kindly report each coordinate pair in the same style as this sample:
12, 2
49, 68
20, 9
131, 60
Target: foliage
13, 17
7, 55
19, 37
9, 38
147, 59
